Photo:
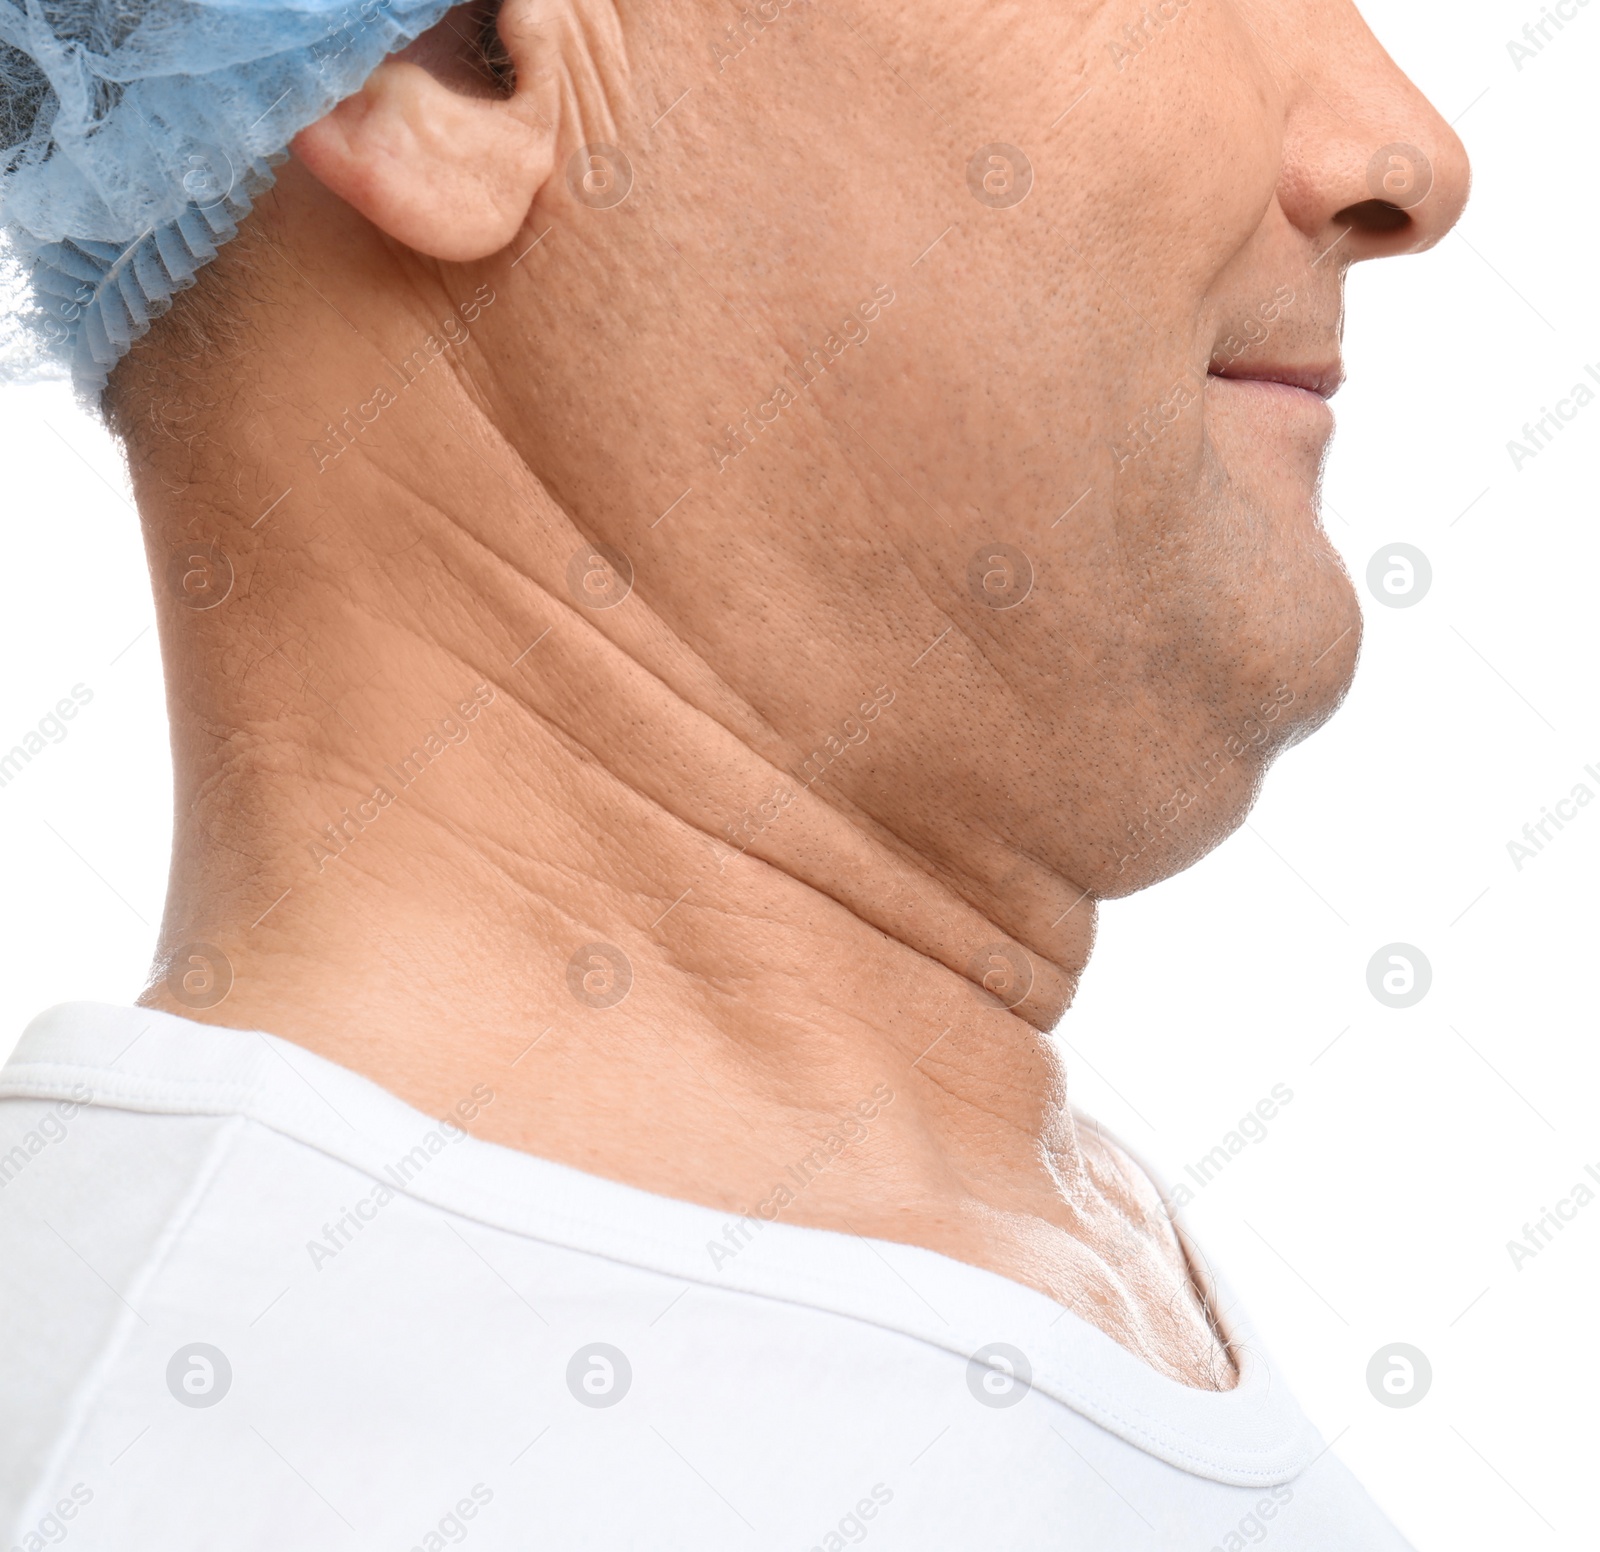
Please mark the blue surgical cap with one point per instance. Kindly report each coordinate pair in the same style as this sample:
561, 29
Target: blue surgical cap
134, 135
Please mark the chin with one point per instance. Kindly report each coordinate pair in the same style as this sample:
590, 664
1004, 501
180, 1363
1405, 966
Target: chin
1319, 621
1277, 675
1293, 619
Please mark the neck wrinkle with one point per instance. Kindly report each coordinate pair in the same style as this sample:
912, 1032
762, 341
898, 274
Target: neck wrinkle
609, 789
368, 594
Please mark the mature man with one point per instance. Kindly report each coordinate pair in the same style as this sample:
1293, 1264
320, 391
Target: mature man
692, 549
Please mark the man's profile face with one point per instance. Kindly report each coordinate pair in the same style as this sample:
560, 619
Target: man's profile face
991, 318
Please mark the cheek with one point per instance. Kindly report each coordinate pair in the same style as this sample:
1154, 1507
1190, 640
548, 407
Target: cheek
1058, 341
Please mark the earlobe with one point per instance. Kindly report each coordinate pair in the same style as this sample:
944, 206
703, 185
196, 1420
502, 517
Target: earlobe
450, 174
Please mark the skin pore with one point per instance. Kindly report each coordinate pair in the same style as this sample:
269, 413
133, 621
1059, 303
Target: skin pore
560, 705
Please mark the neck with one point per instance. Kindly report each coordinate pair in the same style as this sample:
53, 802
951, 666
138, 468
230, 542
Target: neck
463, 811
418, 782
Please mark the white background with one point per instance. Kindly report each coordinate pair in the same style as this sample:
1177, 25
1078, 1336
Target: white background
1419, 1141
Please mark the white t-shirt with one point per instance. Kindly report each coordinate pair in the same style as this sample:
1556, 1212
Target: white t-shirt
250, 1300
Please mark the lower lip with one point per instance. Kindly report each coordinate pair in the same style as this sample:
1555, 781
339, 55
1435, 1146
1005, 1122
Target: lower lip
1282, 396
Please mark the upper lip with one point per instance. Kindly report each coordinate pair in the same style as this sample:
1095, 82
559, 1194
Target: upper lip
1321, 378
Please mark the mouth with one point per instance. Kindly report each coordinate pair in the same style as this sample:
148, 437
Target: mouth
1322, 379
1286, 403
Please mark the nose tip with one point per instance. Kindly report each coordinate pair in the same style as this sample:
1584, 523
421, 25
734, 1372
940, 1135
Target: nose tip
1369, 161
1415, 191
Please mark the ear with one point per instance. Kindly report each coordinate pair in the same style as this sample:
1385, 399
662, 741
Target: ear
433, 150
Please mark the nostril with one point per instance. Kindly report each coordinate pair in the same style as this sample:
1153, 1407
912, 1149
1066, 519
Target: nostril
1374, 215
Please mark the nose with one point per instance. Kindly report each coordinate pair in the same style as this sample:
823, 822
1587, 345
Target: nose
1369, 164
